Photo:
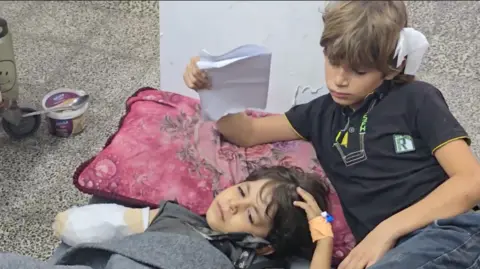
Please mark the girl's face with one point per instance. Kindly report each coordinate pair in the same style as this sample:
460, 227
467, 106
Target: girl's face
242, 208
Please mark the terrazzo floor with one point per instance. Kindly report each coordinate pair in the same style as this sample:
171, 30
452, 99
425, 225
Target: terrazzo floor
452, 62
110, 49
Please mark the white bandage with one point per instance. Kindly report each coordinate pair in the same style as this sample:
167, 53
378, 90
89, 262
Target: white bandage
146, 217
91, 223
413, 44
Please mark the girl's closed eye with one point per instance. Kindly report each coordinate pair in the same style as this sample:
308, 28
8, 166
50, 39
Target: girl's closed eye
250, 217
241, 191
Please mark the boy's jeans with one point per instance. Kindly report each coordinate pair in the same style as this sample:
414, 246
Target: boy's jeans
452, 243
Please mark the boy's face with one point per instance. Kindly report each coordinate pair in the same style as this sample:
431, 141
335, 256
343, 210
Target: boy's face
350, 87
242, 208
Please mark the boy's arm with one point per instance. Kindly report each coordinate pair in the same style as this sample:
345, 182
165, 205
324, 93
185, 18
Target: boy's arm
449, 144
459, 194
241, 129
323, 254
247, 131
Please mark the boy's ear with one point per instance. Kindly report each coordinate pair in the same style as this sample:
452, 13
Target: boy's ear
264, 251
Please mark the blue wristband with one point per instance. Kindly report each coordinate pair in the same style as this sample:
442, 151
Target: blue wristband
329, 218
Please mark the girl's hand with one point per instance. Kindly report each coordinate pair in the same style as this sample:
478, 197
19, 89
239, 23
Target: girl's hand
322, 257
195, 78
310, 205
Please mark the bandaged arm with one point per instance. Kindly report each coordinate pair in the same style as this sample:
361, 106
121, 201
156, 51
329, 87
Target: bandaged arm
100, 222
322, 236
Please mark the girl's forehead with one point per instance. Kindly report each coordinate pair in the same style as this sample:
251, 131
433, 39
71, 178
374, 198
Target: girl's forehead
262, 188
265, 196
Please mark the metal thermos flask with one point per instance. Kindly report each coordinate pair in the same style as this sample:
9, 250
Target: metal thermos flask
8, 70
12, 121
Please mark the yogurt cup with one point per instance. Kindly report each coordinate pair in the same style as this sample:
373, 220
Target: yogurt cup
64, 123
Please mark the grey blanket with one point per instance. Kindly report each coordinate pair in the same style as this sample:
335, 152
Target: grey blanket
150, 250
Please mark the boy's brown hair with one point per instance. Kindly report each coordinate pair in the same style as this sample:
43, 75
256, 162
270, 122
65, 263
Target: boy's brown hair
364, 34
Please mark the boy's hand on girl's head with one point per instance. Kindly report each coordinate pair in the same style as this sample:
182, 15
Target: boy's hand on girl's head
310, 205
195, 78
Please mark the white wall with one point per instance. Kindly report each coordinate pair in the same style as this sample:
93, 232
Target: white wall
290, 29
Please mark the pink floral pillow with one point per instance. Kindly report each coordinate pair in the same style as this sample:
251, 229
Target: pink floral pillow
163, 150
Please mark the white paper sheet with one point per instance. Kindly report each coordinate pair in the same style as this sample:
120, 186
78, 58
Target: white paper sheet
239, 80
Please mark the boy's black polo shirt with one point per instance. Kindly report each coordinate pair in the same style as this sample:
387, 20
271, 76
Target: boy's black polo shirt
380, 157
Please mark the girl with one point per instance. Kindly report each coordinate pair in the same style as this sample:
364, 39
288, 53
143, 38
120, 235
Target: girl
272, 205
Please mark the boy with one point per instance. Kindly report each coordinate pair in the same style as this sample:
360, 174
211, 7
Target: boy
397, 157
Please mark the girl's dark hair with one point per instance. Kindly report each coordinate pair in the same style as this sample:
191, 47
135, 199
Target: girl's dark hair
290, 233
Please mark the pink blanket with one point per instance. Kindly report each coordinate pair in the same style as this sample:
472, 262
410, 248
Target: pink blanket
164, 151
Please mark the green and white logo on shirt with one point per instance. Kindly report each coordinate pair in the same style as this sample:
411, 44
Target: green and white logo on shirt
403, 143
